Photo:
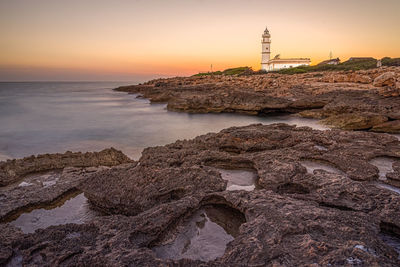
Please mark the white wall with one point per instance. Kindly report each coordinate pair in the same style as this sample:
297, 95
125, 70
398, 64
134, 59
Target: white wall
265, 50
278, 66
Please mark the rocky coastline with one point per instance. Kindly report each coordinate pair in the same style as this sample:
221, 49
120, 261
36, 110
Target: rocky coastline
320, 200
351, 100
41, 180
258, 195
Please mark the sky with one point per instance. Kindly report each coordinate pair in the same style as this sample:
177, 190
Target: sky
135, 40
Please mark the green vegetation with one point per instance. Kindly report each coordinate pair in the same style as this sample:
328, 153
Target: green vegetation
232, 71
387, 61
208, 73
351, 64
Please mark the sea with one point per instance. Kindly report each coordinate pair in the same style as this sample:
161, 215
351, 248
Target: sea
54, 117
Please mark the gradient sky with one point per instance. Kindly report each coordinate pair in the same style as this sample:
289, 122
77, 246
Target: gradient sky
138, 39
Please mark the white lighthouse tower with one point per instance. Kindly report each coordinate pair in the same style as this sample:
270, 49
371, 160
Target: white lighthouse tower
277, 63
266, 49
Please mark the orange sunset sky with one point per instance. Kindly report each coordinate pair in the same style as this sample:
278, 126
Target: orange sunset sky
137, 40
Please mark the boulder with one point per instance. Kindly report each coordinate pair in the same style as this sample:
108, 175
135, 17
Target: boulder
355, 121
362, 79
385, 79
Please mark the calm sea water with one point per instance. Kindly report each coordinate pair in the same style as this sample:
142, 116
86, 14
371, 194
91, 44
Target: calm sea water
49, 117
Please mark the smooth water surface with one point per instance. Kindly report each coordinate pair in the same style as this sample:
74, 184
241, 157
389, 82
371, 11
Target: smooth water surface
389, 187
311, 166
384, 165
239, 179
204, 236
75, 210
49, 117
392, 241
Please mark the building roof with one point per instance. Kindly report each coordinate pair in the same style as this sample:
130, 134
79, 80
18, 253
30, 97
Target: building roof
286, 60
266, 32
360, 58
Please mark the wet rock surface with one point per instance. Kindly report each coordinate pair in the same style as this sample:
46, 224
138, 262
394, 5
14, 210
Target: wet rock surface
75, 209
317, 201
204, 236
13, 170
364, 99
239, 179
49, 179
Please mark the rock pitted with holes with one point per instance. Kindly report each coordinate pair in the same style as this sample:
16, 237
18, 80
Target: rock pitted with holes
297, 215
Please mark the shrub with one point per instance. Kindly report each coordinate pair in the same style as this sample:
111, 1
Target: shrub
387, 61
351, 64
231, 71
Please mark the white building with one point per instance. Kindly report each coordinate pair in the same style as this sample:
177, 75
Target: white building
277, 63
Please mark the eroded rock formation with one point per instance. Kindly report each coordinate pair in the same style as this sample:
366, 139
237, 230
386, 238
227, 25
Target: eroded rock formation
354, 94
44, 179
296, 216
12, 170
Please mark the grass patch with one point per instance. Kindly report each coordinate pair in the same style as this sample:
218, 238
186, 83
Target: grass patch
351, 64
387, 61
231, 71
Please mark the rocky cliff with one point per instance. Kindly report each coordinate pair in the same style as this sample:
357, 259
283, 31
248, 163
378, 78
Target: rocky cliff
355, 100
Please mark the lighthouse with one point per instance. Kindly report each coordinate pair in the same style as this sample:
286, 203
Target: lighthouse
277, 63
266, 49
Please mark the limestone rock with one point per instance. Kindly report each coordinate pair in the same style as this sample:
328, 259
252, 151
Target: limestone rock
145, 187
394, 116
355, 121
275, 152
48, 178
394, 177
331, 214
385, 79
11, 170
41, 188
317, 95
389, 91
362, 79
9, 234
312, 113
387, 127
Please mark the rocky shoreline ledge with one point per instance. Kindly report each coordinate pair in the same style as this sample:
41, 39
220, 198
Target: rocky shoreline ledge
40, 180
351, 100
321, 198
